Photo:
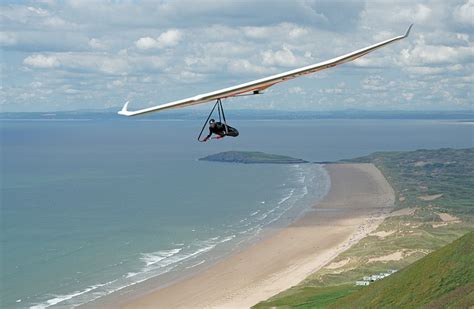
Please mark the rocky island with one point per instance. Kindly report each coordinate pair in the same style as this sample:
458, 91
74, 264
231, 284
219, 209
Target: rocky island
251, 157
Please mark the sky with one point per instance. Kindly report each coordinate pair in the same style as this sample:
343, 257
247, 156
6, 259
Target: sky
81, 54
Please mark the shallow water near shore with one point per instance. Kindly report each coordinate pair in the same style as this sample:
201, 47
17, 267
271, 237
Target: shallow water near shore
90, 207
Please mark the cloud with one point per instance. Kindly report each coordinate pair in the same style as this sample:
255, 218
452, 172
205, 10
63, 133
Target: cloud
55, 22
97, 44
465, 13
41, 61
146, 43
38, 11
188, 77
431, 70
34, 18
287, 30
106, 51
283, 57
423, 53
169, 38
408, 96
376, 83
296, 90
336, 90
116, 84
245, 66
92, 62
7, 39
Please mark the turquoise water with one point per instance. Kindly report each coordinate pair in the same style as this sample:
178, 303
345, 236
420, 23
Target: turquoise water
89, 207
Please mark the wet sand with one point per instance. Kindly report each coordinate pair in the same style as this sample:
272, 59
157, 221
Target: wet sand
358, 201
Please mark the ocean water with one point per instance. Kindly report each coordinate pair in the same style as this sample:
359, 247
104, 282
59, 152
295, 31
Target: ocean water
89, 207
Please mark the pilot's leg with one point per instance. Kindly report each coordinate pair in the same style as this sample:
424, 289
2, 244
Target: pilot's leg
232, 131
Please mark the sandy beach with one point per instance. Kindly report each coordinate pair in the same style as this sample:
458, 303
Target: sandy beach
358, 201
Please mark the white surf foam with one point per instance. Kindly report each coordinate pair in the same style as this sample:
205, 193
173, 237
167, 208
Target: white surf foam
155, 257
188, 256
197, 264
61, 298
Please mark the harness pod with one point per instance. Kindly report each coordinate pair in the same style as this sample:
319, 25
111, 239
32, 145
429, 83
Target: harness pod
220, 111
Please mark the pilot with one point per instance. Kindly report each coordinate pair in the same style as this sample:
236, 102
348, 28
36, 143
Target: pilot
219, 129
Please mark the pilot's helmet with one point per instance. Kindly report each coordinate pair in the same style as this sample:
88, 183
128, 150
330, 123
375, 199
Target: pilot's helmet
212, 121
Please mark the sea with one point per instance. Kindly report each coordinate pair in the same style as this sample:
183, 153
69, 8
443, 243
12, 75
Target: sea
89, 207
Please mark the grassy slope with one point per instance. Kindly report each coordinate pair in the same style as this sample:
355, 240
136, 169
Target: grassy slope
428, 172
412, 174
309, 297
440, 279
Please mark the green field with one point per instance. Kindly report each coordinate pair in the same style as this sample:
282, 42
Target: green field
423, 173
309, 297
434, 207
442, 279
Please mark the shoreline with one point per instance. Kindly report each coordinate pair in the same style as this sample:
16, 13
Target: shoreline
358, 201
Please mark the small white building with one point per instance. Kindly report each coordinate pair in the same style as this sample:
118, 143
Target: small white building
362, 282
367, 279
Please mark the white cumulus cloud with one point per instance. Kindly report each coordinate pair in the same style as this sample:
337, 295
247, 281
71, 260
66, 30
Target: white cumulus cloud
41, 61
107, 49
146, 43
436, 54
283, 57
169, 38
465, 12
240, 66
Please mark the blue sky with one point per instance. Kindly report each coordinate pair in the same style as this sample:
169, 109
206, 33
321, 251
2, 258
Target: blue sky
81, 54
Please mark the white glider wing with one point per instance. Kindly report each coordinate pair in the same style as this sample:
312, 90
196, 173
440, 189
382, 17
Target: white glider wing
258, 85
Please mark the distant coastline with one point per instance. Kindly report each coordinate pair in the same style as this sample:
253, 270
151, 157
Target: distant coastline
192, 114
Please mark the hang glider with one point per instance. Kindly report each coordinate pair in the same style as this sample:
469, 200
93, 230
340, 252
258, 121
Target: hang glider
257, 86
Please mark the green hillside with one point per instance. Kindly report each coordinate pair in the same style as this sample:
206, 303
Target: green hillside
434, 206
444, 278
307, 297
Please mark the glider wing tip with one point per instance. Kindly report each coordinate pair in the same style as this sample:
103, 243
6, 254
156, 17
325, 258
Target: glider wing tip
408, 31
124, 111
